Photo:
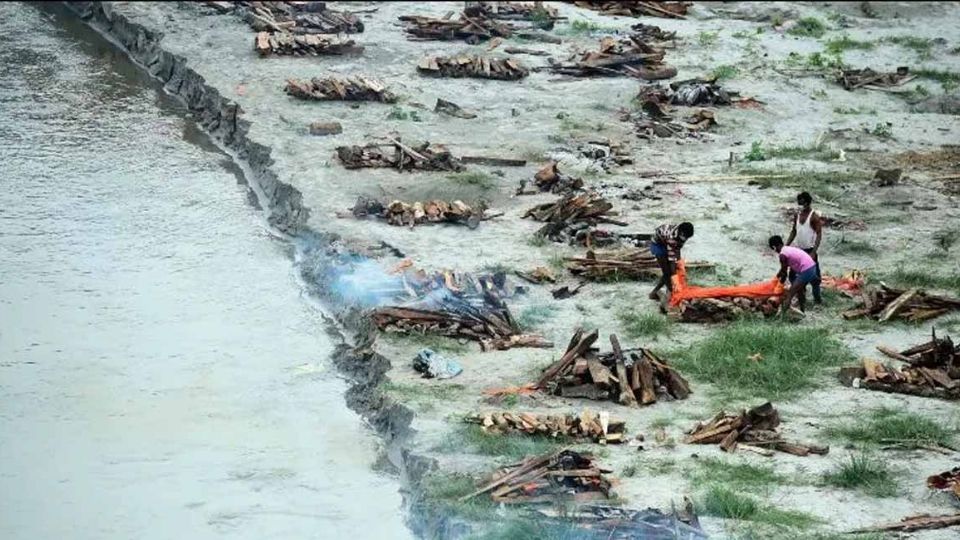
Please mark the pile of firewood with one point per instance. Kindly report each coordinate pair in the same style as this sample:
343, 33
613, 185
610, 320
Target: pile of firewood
655, 120
886, 303
281, 44
571, 213
300, 18
851, 79
514, 11
754, 430
590, 426
549, 478
401, 214
688, 93
629, 56
702, 310
356, 88
582, 373
402, 157
549, 178
669, 10
472, 65
932, 370
473, 29
619, 264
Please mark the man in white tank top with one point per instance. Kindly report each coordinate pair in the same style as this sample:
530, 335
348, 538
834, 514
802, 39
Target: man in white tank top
806, 234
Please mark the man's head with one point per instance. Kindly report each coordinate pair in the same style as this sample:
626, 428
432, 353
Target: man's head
775, 243
804, 199
686, 230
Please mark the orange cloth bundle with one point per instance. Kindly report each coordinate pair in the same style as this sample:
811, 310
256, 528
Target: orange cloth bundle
682, 291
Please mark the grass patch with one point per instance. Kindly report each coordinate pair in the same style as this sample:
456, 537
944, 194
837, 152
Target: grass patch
708, 38
915, 277
853, 110
637, 325
397, 113
722, 502
948, 79
946, 237
791, 358
863, 473
808, 27
533, 316
441, 493
508, 446
819, 152
922, 46
522, 529
655, 466
724, 72
478, 179
854, 247
885, 426
537, 241
828, 185
424, 395
845, 43
740, 475
585, 27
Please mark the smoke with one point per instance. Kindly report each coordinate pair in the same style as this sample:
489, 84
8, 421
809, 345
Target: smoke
365, 283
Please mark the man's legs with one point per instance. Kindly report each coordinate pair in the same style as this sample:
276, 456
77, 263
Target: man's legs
815, 284
666, 274
796, 287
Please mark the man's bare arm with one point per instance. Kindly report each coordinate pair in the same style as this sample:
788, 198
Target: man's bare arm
793, 230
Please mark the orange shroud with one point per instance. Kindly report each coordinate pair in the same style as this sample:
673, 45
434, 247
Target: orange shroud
682, 291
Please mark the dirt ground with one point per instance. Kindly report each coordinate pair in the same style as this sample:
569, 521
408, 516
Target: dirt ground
545, 117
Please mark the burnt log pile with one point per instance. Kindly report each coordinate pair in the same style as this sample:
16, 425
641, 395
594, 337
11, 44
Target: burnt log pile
401, 214
712, 310
619, 264
472, 29
589, 426
550, 179
628, 56
356, 88
885, 303
572, 213
654, 34
562, 475
473, 66
756, 430
932, 370
537, 12
631, 377
655, 118
394, 154
287, 44
299, 18
668, 10
851, 79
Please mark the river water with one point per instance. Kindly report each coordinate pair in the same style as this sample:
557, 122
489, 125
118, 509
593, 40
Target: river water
161, 373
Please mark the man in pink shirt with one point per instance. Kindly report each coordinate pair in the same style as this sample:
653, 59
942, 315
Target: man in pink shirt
799, 263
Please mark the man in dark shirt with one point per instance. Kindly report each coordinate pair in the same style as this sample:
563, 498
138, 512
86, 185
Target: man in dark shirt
668, 240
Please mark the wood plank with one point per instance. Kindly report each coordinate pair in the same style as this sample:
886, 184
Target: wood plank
599, 373
531, 465
898, 304
648, 393
568, 358
895, 355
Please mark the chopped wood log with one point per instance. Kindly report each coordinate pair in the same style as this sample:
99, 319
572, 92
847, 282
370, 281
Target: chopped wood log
630, 263
587, 425
647, 390
325, 128
450, 108
757, 427
599, 373
670, 10
932, 370
629, 56
286, 44
520, 50
896, 305
356, 88
573, 351
851, 79
299, 17
494, 161
471, 65
470, 29
536, 12
916, 523
402, 157
549, 478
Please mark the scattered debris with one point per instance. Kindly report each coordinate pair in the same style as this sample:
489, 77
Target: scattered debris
572, 213
450, 108
434, 366
606, 154
299, 18
549, 178
581, 373
887, 177
932, 370
401, 214
851, 79
472, 29
650, 32
543, 15
594, 427
885, 303
564, 474
566, 291
403, 157
669, 10
538, 275
654, 120
629, 56
602, 522
590, 237
302, 45
754, 428
946, 481
620, 264
916, 523
325, 128
699, 92
356, 88
471, 65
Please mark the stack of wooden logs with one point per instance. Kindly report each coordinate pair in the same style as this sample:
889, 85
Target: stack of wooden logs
470, 29
402, 157
669, 10
701, 310
851, 79
549, 178
401, 214
286, 44
582, 373
472, 65
754, 430
300, 18
629, 56
885, 303
932, 370
513, 11
587, 425
619, 264
572, 212
550, 478
356, 88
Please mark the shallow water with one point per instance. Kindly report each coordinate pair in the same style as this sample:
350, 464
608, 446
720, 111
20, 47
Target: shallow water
161, 373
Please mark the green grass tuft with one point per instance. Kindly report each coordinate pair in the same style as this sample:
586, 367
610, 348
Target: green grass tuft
948, 79
922, 46
853, 110
585, 27
915, 277
863, 473
441, 494
397, 113
724, 72
855, 247
708, 38
740, 475
791, 359
509, 446
808, 27
844, 43
479, 179
534, 316
885, 427
827, 185
756, 152
637, 325
946, 237
722, 502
